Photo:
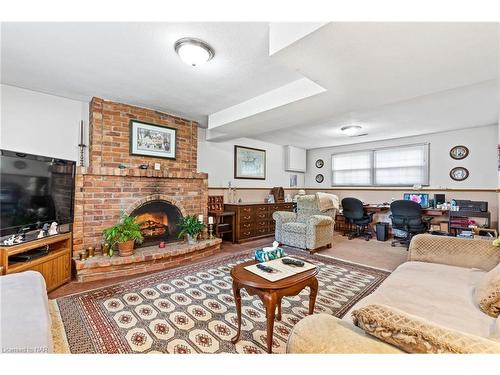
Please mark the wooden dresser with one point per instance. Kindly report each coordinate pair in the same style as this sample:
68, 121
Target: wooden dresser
255, 220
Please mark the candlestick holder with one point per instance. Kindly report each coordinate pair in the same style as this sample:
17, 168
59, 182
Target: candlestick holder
210, 231
82, 153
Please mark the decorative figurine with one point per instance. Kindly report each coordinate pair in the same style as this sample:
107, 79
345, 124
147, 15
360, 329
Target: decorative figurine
15, 238
53, 228
90, 251
41, 234
105, 248
162, 244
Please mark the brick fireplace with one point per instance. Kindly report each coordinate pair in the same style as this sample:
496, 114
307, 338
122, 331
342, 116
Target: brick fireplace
104, 191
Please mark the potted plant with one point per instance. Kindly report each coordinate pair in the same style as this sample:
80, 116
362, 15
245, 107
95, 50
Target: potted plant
124, 234
190, 227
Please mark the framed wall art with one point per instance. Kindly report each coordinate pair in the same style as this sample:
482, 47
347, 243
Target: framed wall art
152, 140
459, 173
249, 163
459, 152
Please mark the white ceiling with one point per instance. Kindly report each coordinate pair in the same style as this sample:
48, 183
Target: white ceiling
388, 75
395, 79
136, 63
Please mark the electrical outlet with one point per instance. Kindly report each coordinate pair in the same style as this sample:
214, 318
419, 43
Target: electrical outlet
157, 166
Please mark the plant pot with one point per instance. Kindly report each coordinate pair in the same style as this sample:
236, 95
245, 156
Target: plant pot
126, 249
191, 239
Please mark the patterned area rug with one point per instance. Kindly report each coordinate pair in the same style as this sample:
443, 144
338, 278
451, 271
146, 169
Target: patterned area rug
191, 309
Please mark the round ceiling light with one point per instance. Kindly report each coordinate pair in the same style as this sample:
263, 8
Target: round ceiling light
351, 130
194, 51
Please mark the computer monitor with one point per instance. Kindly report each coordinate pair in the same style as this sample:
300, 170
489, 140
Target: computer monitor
422, 199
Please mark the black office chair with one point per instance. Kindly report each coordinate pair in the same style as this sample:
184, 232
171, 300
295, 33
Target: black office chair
406, 216
354, 214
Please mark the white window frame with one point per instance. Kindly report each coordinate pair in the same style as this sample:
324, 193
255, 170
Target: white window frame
372, 167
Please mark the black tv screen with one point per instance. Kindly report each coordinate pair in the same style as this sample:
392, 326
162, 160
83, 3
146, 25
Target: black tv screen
34, 190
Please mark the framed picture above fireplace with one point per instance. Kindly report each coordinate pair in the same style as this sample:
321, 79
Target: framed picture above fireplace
249, 163
152, 140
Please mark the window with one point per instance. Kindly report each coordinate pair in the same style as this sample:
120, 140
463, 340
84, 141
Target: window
352, 168
392, 166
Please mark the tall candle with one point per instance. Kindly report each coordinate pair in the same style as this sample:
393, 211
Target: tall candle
200, 218
210, 220
81, 132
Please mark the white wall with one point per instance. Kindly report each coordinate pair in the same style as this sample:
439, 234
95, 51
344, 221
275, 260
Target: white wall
481, 162
41, 124
217, 159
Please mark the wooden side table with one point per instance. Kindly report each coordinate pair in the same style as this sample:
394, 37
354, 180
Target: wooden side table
271, 293
222, 227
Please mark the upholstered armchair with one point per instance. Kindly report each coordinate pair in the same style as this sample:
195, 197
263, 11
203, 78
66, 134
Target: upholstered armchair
309, 228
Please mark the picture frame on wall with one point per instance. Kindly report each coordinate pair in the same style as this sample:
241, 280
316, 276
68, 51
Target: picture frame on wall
249, 163
152, 140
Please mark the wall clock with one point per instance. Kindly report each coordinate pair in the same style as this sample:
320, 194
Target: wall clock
459, 152
319, 163
319, 178
459, 173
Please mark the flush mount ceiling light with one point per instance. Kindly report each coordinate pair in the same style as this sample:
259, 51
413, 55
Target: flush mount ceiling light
194, 51
351, 130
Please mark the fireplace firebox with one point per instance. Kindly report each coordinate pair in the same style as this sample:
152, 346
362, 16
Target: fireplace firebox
159, 221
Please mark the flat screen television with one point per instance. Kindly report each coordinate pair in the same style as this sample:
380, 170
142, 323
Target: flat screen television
421, 199
34, 190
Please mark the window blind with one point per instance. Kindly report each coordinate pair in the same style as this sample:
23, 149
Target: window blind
405, 165
352, 168
392, 166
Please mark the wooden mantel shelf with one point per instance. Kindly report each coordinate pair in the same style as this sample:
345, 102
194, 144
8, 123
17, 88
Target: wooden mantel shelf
136, 172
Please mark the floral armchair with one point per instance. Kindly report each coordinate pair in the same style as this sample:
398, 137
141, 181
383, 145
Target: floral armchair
307, 229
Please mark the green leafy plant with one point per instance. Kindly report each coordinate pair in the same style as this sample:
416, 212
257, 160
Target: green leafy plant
190, 225
127, 229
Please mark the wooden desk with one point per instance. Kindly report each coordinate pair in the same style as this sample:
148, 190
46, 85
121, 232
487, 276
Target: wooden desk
340, 222
434, 212
376, 208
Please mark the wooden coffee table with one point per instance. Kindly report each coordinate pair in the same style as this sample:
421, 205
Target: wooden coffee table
271, 293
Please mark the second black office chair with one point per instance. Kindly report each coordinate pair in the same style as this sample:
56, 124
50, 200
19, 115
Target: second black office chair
406, 216
354, 214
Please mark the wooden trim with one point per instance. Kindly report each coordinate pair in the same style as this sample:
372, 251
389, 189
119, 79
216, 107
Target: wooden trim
479, 190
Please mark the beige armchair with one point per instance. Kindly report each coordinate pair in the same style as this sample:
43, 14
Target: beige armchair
309, 228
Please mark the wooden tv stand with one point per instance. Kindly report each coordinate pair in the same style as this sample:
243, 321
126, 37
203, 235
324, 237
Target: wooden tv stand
55, 266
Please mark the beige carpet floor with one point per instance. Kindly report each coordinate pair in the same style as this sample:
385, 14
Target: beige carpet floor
371, 253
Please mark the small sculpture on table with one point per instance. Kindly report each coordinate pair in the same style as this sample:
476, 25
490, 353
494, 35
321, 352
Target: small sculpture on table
53, 229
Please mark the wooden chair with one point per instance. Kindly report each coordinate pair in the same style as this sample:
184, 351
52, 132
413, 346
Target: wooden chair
223, 220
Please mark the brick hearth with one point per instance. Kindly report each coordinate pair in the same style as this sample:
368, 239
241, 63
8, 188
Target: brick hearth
145, 259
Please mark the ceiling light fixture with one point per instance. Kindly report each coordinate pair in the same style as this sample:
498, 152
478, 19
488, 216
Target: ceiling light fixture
351, 130
194, 51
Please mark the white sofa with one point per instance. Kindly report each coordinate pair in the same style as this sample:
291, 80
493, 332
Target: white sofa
433, 290
25, 324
